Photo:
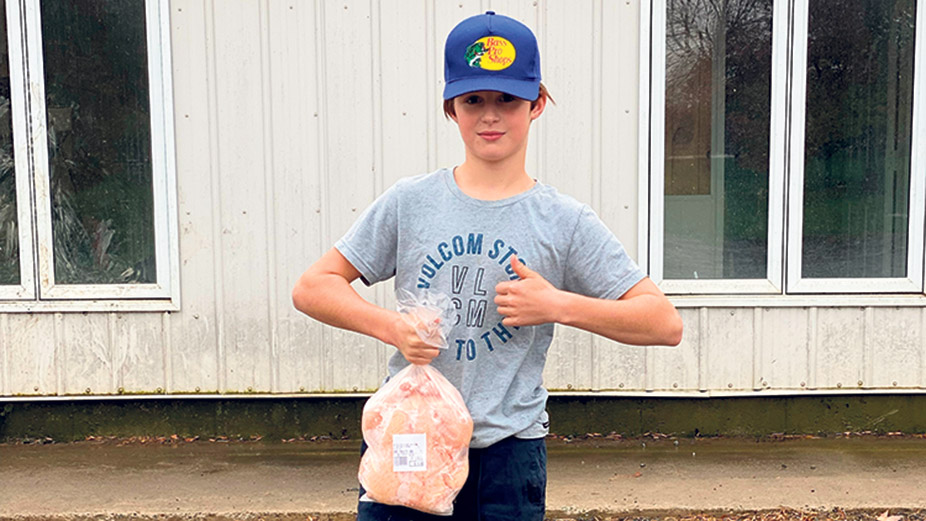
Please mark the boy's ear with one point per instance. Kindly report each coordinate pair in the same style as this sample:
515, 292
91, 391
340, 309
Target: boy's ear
538, 107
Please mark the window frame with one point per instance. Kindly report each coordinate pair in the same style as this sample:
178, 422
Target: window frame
783, 283
796, 283
25, 290
33, 184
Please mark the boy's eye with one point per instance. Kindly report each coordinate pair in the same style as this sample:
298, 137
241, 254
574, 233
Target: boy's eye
471, 100
507, 98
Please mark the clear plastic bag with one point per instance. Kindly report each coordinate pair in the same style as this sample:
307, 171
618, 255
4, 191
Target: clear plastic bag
417, 427
429, 313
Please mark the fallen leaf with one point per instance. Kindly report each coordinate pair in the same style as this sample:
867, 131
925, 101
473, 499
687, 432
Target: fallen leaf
885, 517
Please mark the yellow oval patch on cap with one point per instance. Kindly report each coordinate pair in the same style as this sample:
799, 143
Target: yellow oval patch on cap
492, 53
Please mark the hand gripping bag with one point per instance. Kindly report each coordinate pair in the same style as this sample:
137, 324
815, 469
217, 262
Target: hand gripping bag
417, 428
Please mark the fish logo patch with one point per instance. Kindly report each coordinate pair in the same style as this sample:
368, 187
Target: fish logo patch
491, 53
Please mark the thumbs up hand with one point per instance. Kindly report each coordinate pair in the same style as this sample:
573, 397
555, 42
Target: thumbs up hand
528, 301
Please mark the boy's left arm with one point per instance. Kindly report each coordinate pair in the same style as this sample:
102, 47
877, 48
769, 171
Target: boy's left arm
641, 316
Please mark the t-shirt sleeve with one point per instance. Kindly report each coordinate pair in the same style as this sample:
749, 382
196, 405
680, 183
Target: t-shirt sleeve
370, 244
597, 264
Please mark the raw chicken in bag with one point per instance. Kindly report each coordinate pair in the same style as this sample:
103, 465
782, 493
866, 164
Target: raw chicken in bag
417, 427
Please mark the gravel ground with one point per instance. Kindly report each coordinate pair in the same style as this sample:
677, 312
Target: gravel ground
837, 514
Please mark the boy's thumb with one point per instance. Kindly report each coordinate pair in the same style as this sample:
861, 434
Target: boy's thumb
520, 268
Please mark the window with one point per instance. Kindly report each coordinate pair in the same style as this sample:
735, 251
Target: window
87, 183
782, 146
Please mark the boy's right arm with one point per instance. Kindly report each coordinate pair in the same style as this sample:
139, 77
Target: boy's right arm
324, 293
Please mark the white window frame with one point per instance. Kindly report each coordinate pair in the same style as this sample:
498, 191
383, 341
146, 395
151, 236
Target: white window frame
913, 282
33, 184
774, 287
26, 288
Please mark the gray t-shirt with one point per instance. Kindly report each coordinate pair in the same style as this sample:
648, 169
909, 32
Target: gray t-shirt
430, 235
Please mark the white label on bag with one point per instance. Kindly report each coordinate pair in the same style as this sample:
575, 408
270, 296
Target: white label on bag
409, 452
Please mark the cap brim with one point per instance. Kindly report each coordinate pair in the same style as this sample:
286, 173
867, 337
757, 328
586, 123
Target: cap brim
524, 89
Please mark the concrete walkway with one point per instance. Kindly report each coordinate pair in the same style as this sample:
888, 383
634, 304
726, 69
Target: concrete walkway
599, 474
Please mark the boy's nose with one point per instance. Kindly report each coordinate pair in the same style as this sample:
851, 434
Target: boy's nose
490, 114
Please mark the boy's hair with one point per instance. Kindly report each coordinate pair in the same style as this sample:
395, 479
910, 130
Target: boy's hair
449, 111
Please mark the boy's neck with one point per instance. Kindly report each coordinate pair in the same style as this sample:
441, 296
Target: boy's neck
491, 181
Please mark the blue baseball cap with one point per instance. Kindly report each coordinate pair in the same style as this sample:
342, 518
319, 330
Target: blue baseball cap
491, 52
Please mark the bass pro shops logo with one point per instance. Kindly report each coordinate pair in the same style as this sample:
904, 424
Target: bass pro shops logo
491, 53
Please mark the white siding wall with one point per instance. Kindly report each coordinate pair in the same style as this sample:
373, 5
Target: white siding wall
292, 116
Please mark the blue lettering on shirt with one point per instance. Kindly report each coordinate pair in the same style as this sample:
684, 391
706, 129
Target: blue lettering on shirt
485, 338
493, 253
444, 254
474, 244
502, 333
458, 245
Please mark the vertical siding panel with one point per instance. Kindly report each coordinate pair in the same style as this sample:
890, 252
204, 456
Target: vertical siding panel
597, 196
243, 212
379, 48
215, 190
730, 356
351, 174
649, 368
562, 370
758, 349
922, 376
703, 348
167, 352
584, 359
554, 376
297, 189
111, 342
812, 326
87, 354
138, 351
404, 121
404, 85
619, 102
60, 355
324, 162
270, 213
32, 354
868, 346
522, 10
620, 366
194, 358
432, 75
839, 347
679, 368
568, 155
4, 355
785, 347
895, 348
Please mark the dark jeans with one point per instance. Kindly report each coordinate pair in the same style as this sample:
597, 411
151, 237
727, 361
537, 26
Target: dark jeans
507, 481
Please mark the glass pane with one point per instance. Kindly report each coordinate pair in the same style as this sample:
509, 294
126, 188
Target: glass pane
718, 100
9, 231
858, 138
99, 141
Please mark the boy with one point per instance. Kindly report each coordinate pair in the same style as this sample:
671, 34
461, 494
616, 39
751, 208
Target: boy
514, 255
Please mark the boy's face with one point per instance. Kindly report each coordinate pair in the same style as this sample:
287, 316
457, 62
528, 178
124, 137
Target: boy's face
494, 125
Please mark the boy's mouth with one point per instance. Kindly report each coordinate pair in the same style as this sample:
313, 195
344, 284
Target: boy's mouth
490, 135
